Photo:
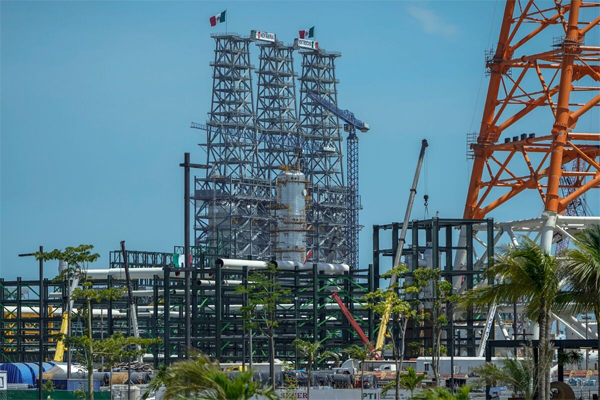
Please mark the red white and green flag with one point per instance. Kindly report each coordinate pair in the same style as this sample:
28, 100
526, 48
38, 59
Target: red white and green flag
179, 260
307, 33
216, 19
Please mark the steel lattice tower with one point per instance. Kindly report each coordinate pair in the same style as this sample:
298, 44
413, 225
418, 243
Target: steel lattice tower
529, 73
353, 198
326, 216
276, 110
232, 201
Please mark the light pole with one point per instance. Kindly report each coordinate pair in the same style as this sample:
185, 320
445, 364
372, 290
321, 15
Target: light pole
41, 315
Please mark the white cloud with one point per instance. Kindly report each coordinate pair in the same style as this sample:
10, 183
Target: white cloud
431, 22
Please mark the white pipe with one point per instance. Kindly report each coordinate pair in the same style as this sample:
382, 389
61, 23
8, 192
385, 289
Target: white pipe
239, 264
119, 273
145, 293
284, 265
321, 267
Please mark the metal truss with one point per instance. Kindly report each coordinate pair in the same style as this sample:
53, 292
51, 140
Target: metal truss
352, 212
232, 214
217, 327
327, 208
562, 81
276, 113
508, 320
436, 243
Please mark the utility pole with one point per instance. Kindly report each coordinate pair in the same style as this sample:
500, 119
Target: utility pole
186, 249
41, 326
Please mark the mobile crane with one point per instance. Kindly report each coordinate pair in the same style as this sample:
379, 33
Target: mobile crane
385, 318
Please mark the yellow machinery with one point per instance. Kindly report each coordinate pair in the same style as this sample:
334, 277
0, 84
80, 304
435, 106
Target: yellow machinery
385, 318
64, 327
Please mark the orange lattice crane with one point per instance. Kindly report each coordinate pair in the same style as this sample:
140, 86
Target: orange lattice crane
564, 80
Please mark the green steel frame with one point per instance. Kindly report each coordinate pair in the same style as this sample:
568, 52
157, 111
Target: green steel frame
441, 236
217, 327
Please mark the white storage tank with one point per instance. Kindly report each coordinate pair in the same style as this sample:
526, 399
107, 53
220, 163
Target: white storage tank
290, 231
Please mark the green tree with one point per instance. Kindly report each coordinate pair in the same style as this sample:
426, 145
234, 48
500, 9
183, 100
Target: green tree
199, 378
583, 275
519, 373
411, 380
360, 353
437, 296
525, 274
392, 304
78, 259
309, 351
118, 348
440, 393
566, 357
264, 295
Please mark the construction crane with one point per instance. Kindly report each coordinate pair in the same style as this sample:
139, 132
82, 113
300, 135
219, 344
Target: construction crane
64, 327
354, 324
385, 318
351, 125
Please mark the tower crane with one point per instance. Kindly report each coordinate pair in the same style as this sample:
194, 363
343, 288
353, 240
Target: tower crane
351, 125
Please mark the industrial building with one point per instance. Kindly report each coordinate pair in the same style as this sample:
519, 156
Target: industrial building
273, 189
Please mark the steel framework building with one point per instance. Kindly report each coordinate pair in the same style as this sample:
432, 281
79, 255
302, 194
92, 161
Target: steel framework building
323, 159
435, 243
217, 326
245, 147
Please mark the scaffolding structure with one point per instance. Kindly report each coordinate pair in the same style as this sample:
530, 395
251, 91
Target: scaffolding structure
328, 195
246, 145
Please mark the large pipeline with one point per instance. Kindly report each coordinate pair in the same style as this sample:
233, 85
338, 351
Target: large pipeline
119, 273
333, 269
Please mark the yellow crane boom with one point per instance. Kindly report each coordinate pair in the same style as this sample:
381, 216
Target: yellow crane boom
385, 318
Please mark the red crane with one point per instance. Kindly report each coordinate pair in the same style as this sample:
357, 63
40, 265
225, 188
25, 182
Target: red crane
354, 324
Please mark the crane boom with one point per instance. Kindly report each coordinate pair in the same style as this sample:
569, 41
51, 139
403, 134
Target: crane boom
347, 116
401, 240
354, 324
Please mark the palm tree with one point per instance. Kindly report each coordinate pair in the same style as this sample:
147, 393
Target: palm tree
309, 352
525, 274
411, 380
237, 387
583, 274
201, 379
516, 372
440, 393
360, 353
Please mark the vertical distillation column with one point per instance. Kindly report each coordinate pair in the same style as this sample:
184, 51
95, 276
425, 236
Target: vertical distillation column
322, 158
276, 110
229, 197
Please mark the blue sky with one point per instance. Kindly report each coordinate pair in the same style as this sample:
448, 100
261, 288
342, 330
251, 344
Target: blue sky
97, 98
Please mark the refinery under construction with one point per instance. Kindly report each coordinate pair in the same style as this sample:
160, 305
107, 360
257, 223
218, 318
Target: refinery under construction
274, 189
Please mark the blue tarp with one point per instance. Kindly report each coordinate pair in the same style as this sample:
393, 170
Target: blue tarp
17, 373
24, 372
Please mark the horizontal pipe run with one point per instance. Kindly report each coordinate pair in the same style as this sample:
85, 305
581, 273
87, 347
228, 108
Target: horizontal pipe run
330, 268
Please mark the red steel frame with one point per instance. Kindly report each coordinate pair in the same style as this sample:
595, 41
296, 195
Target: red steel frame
512, 96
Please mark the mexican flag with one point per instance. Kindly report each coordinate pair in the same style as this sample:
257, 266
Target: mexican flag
179, 260
215, 19
308, 33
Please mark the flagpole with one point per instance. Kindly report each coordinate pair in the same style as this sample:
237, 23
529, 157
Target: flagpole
226, 21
